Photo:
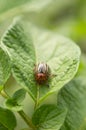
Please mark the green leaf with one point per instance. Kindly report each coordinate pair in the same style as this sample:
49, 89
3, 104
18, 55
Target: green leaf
7, 119
19, 95
61, 54
5, 68
21, 49
14, 103
73, 96
2, 127
49, 117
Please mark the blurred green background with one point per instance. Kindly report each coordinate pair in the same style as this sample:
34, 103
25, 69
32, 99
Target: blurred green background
66, 17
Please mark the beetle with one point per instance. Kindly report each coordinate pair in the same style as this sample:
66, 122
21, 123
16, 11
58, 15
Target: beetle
42, 73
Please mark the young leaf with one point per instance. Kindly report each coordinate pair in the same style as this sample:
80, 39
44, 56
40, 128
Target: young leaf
73, 96
61, 54
49, 117
21, 49
7, 119
19, 95
14, 103
5, 68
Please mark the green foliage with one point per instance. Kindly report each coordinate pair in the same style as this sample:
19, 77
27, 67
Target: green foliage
49, 117
2, 127
20, 47
14, 103
24, 45
62, 56
5, 68
19, 95
73, 96
7, 119
63, 63
36, 40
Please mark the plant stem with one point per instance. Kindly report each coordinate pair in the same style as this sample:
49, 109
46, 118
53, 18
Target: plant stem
26, 119
37, 98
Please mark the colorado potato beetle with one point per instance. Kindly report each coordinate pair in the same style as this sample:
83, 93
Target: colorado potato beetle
42, 73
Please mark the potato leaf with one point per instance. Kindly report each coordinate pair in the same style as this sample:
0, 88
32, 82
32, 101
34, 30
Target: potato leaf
7, 119
15, 102
61, 54
22, 53
73, 97
5, 68
49, 117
